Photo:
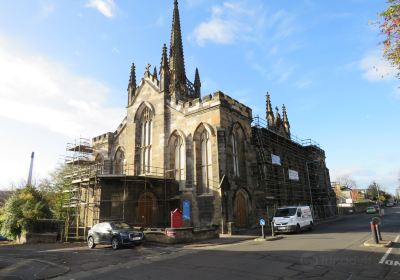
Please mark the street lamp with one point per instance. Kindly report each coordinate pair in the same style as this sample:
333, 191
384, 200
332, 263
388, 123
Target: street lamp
309, 184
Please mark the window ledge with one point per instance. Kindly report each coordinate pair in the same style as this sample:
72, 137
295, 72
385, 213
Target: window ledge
205, 195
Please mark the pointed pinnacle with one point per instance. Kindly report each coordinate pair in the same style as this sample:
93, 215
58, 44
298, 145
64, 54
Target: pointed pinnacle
164, 58
132, 78
155, 72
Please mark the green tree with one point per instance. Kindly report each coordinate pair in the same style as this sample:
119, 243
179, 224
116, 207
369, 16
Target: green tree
21, 208
375, 193
390, 28
52, 189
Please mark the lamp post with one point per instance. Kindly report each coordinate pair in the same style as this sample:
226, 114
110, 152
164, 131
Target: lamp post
309, 187
309, 184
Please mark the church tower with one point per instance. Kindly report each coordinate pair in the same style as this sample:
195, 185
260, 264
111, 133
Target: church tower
178, 85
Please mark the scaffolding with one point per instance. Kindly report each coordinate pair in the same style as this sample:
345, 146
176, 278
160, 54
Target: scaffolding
85, 193
302, 157
82, 181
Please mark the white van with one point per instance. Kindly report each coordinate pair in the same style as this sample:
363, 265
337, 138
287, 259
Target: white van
293, 219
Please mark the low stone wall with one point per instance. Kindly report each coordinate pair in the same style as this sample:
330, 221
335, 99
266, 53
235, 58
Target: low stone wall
29, 238
181, 235
42, 231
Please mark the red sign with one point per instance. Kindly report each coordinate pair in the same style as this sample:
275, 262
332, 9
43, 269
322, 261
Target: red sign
176, 219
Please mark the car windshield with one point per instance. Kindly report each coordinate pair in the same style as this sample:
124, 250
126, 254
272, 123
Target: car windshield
285, 212
119, 225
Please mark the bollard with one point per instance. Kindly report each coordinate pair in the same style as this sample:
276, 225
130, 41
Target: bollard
272, 229
262, 232
374, 233
378, 231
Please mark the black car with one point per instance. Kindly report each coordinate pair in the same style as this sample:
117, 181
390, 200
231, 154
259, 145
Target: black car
115, 233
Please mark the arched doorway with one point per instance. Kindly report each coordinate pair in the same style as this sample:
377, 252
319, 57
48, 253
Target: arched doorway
240, 210
147, 207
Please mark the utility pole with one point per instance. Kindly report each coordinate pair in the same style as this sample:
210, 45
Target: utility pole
309, 188
29, 183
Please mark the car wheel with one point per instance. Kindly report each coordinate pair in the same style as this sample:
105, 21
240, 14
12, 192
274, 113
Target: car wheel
298, 228
91, 243
115, 243
311, 225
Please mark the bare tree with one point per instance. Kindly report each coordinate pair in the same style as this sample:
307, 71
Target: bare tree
346, 181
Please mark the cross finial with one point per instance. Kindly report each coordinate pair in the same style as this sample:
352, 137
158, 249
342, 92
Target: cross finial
148, 65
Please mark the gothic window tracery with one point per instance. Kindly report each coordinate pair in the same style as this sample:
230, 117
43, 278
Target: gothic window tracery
179, 153
146, 140
235, 154
206, 163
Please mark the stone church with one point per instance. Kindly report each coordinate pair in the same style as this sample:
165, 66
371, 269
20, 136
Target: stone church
206, 155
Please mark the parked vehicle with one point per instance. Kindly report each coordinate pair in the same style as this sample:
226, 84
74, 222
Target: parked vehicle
2, 238
115, 233
293, 219
372, 210
389, 204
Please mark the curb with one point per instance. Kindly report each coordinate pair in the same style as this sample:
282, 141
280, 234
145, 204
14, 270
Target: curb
270, 238
383, 244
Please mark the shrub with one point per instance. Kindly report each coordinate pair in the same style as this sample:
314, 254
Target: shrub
21, 208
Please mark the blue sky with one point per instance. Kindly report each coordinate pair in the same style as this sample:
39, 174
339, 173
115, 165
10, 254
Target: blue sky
64, 68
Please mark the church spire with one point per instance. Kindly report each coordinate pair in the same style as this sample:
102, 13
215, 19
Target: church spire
269, 113
132, 85
286, 124
164, 71
176, 59
197, 84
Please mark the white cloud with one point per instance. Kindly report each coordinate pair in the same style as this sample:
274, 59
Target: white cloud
376, 68
243, 20
229, 22
36, 90
44, 105
106, 7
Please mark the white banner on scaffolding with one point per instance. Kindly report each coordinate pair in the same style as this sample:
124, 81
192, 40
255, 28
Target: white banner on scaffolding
293, 175
276, 159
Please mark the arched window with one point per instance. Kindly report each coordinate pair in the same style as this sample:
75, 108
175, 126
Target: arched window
203, 160
119, 161
179, 158
99, 163
206, 163
237, 148
235, 155
145, 140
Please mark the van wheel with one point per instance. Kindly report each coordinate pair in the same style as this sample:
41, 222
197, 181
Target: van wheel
298, 228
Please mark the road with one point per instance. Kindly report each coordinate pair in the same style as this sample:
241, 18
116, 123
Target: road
332, 251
